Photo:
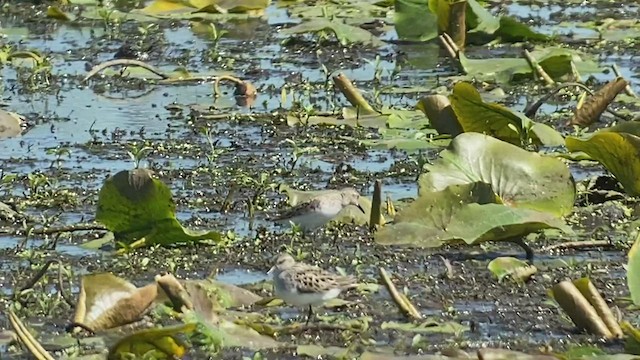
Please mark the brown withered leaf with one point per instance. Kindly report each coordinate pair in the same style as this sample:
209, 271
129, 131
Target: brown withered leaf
107, 301
594, 107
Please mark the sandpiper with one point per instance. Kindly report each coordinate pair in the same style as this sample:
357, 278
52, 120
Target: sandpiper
321, 209
300, 284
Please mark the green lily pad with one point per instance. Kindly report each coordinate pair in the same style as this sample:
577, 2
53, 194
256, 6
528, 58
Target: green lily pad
414, 21
516, 269
511, 30
519, 178
135, 206
618, 152
466, 212
557, 62
633, 272
346, 34
475, 115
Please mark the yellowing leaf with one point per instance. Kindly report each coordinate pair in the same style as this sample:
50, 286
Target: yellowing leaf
618, 152
54, 12
633, 272
158, 343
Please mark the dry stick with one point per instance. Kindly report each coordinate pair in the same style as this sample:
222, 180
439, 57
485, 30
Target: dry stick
537, 68
531, 110
53, 230
235, 80
581, 312
352, 94
627, 89
594, 297
34, 280
452, 49
375, 219
400, 300
124, 62
27, 339
577, 245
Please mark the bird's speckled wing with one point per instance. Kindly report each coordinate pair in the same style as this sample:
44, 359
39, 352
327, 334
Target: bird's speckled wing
300, 209
308, 279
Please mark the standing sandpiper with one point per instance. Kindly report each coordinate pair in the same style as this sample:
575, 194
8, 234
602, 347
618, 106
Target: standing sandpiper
321, 209
300, 284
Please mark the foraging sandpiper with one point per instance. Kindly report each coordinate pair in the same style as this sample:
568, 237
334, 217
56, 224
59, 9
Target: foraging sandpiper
300, 284
321, 209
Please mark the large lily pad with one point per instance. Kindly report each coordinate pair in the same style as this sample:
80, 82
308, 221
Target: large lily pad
519, 178
466, 212
135, 206
617, 149
557, 62
414, 20
346, 34
465, 111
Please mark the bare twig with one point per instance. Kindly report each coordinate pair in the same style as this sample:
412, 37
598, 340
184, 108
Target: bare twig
124, 62
40, 274
375, 218
27, 339
352, 94
452, 49
531, 110
577, 245
55, 230
627, 89
403, 303
537, 68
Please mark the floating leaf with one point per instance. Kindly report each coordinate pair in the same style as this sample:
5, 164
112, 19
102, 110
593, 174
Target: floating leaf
522, 179
177, 7
475, 115
346, 34
633, 271
107, 301
135, 206
557, 62
317, 351
157, 343
618, 152
511, 30
461, 212
429, 326
414, 21
517, 269
440, 114
54, 12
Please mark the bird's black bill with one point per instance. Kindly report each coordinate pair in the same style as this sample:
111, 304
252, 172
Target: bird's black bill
361, 209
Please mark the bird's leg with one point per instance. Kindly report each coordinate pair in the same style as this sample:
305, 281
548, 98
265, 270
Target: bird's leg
309, 314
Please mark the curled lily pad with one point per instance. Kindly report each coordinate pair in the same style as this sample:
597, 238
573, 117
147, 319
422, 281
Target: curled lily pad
522, 179
516, 269
107, 301
475, 115
617, 151
466, 212
346, 34
135, 206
